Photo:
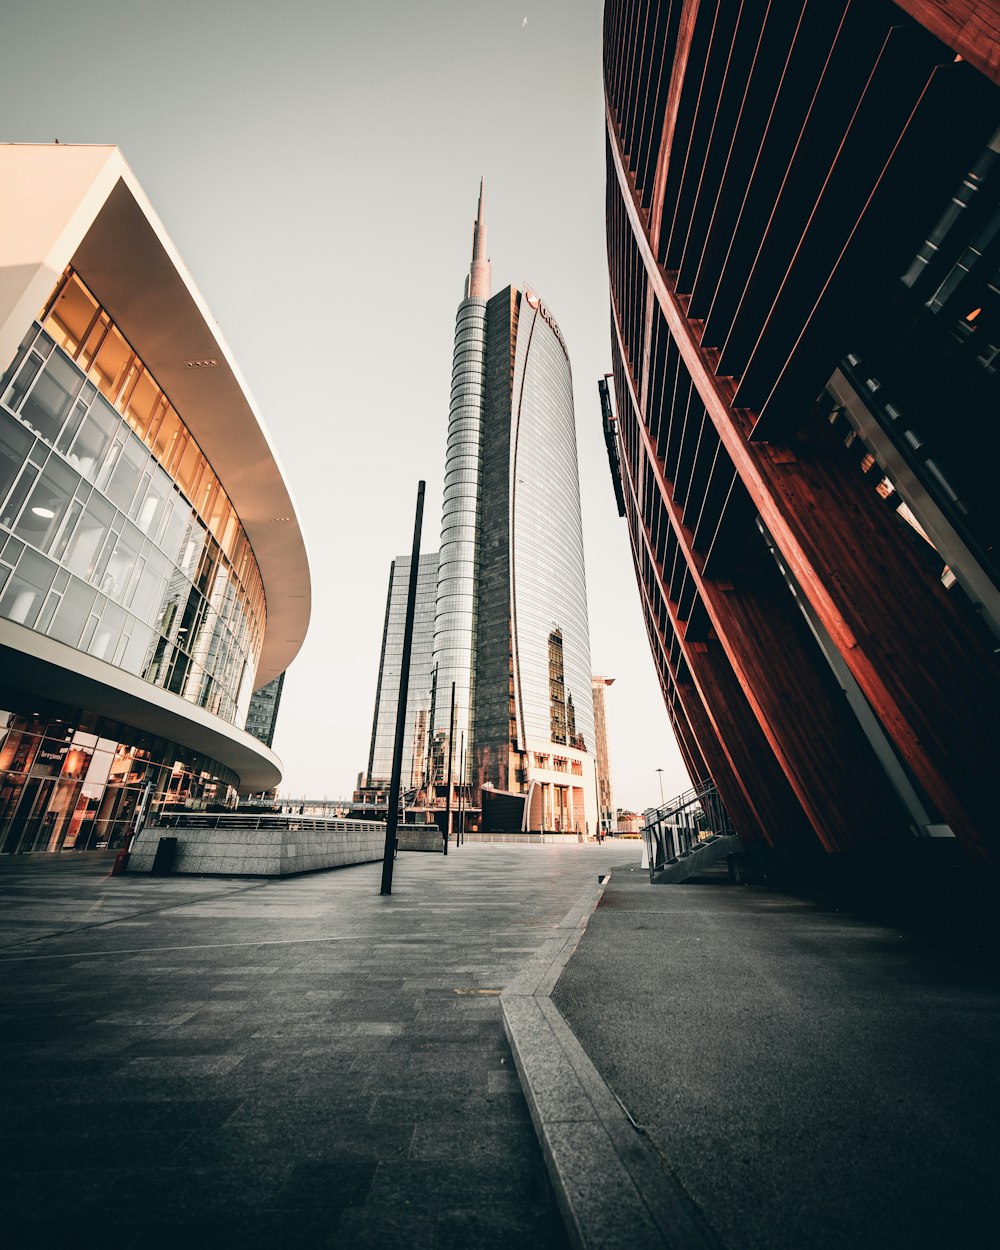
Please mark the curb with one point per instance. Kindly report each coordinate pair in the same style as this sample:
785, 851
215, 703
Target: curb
611, 1186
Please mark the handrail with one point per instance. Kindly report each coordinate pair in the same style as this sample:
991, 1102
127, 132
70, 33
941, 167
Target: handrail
234, 820
677, 827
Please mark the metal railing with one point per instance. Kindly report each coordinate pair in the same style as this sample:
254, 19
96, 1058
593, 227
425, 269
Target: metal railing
234, 820
683, 823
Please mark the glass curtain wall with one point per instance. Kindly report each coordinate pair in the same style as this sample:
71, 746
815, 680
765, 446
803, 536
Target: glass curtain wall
115, 535
455, 626
418, 699
70, 780
548, 584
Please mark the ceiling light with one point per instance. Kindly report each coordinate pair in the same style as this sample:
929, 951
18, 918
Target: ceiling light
47, 513
202, 364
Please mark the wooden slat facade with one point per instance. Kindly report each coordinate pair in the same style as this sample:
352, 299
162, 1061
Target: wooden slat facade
782, 183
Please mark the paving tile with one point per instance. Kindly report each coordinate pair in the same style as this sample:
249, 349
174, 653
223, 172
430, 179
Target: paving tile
285, 1064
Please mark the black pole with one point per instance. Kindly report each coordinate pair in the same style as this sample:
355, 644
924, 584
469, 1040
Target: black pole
392, 815
451, 760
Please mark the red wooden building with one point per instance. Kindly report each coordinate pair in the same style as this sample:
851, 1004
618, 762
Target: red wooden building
803, 216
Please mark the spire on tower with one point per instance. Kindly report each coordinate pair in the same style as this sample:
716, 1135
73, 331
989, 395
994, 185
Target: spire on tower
478, 284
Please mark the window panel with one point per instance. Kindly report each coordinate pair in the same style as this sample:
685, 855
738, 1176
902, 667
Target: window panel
26, 588
84, 549
50, 400
15, 444
47, 504
90, 447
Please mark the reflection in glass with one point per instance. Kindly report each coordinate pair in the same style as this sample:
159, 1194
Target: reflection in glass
70, 504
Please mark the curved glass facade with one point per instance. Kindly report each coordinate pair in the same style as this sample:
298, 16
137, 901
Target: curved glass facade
455, 616
551, 637
116, 537
71, 780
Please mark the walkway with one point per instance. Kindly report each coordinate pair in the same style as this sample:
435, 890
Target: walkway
812, 1080
283, 1063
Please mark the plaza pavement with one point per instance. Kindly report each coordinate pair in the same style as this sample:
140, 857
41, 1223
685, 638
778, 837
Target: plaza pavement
189, 1062
299, 1062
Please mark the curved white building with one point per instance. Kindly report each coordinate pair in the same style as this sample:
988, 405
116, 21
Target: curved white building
152, 570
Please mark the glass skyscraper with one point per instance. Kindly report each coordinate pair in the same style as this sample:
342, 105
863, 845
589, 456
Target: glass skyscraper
263, 714
418, 702
510, 625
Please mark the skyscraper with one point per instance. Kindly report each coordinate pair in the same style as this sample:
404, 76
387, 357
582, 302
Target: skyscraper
263, 714
418, 702
605, 797
511, 626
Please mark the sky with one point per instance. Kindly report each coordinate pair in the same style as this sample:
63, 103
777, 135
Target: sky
317, 165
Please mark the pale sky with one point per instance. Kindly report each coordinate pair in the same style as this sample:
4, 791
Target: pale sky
317, 165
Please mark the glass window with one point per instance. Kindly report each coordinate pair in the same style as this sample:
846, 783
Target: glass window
26, 588
84, 549
147, 593
108, 631
211, 642
189, 470
73, 612
94, 340
15, 443
18, 360
153, 504
72, 426
52, 397
15, 393
134, 659
111, 366
142, 403
72, 316
47, 504
90, 447
121, 562
127, 473
167, 437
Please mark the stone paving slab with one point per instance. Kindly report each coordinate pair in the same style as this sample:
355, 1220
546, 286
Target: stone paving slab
281, 1063
812, 1079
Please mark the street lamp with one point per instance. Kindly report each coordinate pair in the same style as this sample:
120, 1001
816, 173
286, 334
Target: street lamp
659, 772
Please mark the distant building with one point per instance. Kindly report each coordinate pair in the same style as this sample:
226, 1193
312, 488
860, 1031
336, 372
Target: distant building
152, 572
802, 233
628, 822
418, 702
511, 628
605, 798
263, 714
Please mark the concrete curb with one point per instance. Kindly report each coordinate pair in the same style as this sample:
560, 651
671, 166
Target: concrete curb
611, 1186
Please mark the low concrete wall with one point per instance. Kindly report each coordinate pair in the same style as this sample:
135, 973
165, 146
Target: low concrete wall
419, 838
263, 852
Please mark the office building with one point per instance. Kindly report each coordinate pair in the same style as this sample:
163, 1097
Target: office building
803, 225
511, 627
416, 739
605, 795
263, 714
152, 572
